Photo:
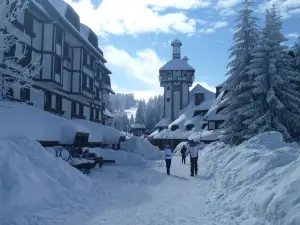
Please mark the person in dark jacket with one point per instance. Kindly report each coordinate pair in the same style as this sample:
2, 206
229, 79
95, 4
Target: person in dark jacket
183, 154
193, 150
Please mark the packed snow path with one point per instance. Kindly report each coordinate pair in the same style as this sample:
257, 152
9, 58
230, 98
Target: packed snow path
148, 196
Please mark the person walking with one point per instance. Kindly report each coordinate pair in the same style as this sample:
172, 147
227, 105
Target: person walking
168, 158
193, 150
183, 154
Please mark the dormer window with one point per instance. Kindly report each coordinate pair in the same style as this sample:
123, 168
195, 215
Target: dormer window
174, 127
189, 127
200, 113
199, 98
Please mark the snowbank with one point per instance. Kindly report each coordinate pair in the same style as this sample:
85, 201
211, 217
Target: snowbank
142, 147
258, 181
32, 180
36, 124
120, 157
100, 133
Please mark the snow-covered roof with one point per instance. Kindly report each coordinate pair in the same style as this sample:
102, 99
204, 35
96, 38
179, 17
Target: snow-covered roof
176, 64
61, 7
187, 117
200, 89
153, 134
100, 133
206, 135
137, 126
164, 122
177, 134
37, 5
188, 114
205, 105
108, 113
176, 41
84, 31
212, 112
36, 124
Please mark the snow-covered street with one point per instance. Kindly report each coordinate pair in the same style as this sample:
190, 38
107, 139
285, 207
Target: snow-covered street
149, 196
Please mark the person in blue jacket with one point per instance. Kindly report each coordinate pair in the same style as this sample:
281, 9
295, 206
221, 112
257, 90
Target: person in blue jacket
168, 158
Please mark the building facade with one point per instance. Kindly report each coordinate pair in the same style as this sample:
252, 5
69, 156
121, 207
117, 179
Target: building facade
71, 79
176, 77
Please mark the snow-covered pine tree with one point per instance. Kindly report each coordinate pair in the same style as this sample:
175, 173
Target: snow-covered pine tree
16, 71
239, 83
140, 113
277, 102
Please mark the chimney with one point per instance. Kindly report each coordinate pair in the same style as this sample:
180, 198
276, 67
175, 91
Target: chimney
186, 59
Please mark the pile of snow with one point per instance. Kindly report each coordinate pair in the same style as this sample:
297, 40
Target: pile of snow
99, 132
142, 147
36, 124
120, 157
258, 182
32, 181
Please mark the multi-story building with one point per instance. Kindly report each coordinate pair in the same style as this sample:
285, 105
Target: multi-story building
73, 81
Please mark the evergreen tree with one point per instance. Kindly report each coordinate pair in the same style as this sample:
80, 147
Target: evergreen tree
140, 113
276, 104
239, 83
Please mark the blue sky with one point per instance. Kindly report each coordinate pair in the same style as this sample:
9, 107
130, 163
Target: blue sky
135, 36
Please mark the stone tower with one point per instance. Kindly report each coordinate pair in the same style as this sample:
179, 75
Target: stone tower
176, 76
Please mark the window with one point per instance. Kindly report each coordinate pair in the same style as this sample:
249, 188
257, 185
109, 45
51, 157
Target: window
66, 51
189, 126
11, 51
94, 114
168, 99
57, 69
25, 94
200, 113
211, 125
77, 109
90, 84
10, 93
199, 98
48, 100
59, 35
92, 59
84, 57
28, 22
53, 101
168, 88
27, 57
58, 103
174, 127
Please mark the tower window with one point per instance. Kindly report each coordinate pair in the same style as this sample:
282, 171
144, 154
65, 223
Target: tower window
168, 99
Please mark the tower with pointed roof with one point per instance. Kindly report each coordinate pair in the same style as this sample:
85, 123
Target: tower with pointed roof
176, 77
